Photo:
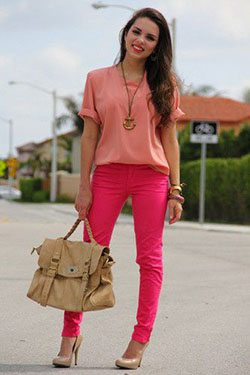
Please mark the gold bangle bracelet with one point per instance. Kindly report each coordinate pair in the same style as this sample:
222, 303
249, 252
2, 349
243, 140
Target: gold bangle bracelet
175, 187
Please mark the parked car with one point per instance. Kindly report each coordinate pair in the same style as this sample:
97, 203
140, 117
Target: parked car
7, 193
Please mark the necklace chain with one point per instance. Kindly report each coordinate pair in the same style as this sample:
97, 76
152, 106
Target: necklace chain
128, 119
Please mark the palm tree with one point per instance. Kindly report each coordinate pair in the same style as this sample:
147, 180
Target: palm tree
246, 95
73, 109
66, 143
202, 90
34, 163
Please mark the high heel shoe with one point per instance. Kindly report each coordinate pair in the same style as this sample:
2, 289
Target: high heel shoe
60, 361
133, 363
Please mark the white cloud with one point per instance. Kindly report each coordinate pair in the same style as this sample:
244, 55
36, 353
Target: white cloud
236, 91
227, 18
233, 18
48, 15
205, 52
60, 57
23, 5
3, 13
4, 61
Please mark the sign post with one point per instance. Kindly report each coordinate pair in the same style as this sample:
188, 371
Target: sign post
203, 132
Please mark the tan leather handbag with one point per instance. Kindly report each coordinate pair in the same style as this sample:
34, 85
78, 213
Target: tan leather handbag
73, 275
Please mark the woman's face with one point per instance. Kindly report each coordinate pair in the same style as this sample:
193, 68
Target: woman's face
142, 38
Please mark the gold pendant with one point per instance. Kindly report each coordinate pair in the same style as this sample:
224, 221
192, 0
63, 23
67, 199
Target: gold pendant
126, 123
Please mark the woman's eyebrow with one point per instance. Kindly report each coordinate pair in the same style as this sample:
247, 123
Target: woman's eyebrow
148, 33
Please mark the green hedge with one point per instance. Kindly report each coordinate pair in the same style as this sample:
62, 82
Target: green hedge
64, 198
28, 186
40, 196
227, 195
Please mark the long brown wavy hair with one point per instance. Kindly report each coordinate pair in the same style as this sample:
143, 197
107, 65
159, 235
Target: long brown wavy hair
160, 75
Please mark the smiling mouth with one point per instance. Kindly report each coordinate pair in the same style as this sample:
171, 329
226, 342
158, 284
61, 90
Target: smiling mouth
136, 48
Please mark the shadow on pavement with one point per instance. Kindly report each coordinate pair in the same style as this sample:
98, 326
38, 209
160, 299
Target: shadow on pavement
22, 368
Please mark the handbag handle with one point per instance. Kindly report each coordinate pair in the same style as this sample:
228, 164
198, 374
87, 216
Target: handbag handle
75, 225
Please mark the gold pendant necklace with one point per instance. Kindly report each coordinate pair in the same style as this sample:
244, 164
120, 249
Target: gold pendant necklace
128, 122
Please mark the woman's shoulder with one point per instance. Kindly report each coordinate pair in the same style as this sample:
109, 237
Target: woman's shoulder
100, 73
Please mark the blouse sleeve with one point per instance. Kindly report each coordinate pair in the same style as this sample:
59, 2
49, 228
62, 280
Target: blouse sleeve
89, 104
177, 112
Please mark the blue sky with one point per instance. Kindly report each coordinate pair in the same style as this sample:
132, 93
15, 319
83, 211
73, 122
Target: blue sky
54, 43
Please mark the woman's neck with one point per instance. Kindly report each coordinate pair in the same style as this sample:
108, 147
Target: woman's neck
133, 66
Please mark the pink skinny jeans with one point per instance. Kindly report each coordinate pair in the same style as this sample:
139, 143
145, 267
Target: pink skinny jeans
111, 185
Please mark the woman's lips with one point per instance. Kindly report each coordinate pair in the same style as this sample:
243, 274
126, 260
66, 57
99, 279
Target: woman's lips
137, 48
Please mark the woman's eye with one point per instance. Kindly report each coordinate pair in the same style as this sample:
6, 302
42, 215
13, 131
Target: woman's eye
150, 38
136, 32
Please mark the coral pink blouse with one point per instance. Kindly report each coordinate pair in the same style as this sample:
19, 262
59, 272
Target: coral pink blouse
106, 102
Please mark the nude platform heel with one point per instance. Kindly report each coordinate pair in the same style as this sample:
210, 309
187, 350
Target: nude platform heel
60, 361
133, 363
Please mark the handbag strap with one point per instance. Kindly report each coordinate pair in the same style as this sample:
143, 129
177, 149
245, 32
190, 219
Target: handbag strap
75, 225
51, 272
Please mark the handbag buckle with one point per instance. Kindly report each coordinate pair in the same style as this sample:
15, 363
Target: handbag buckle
85, 276
51, 272
72, 269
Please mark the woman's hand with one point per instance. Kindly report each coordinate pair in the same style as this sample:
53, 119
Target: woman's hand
175, 210
83, 202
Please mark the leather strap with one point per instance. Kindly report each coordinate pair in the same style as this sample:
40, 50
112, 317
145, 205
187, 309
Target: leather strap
51, 272
75, 225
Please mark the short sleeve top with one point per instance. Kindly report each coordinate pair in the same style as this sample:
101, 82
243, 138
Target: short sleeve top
105, 100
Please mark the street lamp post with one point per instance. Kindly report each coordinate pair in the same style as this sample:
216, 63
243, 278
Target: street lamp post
10, 154
173, 27
54, 136
172, 24
54, 152
101, 5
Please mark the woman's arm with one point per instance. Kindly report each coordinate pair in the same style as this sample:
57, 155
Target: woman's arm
171, 149
89, 142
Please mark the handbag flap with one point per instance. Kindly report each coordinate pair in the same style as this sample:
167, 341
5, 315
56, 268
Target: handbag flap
45, 252
97, 252
76, 256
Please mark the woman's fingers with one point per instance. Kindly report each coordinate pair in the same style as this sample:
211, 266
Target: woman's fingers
83, 211
82, 214
82, 204
175, 211
171, 211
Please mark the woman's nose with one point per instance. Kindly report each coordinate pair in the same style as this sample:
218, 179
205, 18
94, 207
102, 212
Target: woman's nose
141, 40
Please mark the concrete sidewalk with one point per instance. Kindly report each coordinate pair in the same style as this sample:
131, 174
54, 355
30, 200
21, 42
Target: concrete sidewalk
128, 219
202, 325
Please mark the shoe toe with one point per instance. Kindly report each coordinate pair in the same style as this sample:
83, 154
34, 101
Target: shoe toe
61, 362
127, 363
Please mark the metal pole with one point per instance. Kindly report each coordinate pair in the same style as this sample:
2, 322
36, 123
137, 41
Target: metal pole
202, 183
10, 178
10, 138
10, 153
53, 153
173, 25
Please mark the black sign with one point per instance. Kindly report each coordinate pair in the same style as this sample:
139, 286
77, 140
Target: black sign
204, 131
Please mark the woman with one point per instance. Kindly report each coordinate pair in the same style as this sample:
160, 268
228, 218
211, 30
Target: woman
135, 104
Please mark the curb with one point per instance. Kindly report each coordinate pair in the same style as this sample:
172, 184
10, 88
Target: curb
127, 219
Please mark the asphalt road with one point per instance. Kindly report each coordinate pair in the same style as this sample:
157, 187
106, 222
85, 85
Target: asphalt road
203, 321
